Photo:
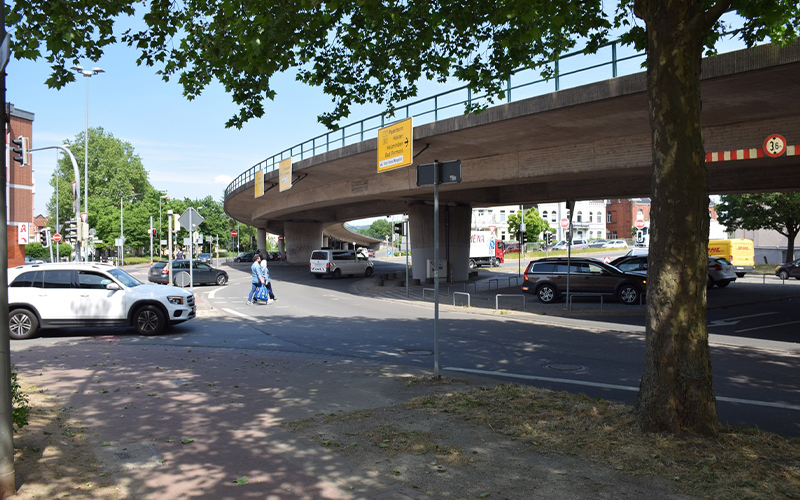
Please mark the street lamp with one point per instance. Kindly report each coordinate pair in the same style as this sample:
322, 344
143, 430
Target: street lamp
87, 73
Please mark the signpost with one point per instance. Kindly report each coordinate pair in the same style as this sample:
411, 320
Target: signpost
639, 224
565, 223
57, 237
428, 174
190, 219
234, 233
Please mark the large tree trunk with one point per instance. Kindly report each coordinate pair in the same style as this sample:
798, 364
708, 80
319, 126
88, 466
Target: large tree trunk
676, 388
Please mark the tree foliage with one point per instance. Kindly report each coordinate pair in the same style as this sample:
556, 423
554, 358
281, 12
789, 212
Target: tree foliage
775, 211
379, 229
534, 224
377, 51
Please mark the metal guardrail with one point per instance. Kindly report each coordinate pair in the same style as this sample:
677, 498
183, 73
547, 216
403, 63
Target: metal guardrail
524, 83
461, 293
497, 299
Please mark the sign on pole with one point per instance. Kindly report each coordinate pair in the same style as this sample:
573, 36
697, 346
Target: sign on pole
449, 172
565, 223
57, 237
639, 224
396, 145
190, 219
234, 233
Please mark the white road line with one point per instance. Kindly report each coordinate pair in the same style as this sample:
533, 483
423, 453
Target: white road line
767, 326
237, 313
751, 316
613, 386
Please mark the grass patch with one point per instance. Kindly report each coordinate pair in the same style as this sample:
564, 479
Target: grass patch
740, 463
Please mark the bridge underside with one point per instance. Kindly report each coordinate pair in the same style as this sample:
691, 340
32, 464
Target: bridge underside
589, 142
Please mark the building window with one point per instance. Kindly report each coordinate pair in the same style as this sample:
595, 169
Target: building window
590, 217
580, 216
608, 218
599, 217
544, 215
553, 216
502, 215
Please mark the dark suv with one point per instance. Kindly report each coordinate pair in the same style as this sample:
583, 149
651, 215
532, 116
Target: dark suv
788, 270
200, 273
547, 278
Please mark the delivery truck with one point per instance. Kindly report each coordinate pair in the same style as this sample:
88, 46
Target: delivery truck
484, 249
740, 252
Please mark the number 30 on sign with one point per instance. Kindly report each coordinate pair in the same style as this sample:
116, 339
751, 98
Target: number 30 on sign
774, 145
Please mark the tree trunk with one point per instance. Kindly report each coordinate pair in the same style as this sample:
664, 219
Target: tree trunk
676, 392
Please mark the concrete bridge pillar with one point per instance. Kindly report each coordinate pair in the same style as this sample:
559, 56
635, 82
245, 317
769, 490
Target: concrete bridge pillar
261, 241
454, 228
301, 238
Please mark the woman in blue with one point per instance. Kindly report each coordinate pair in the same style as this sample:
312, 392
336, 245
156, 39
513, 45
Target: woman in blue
256, 279
265, 274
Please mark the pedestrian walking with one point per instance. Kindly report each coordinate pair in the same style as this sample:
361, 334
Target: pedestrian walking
179, 256
265, 274
256, 279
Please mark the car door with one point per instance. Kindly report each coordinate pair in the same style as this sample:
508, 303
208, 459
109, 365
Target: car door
202, 273
794, 271
94, 302
59, 296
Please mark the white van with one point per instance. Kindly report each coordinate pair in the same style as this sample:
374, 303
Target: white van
335, 263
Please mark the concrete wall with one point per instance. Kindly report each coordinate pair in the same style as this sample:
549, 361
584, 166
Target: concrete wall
301, 239
454, 230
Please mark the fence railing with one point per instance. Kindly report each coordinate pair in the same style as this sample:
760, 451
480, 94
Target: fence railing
606, 63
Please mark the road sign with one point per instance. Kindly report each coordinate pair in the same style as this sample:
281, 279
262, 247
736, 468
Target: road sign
774, 145
57, 237
565, 223
639, 224
190, 216
449, 173
234, 233
396, 145
84, 217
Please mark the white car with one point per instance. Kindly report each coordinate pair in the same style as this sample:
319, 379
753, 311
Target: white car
335, 263
76, 294
615, 244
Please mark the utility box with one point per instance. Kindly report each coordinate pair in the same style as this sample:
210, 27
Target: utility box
432, 270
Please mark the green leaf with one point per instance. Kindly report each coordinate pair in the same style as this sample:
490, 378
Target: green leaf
187, 440
242, 480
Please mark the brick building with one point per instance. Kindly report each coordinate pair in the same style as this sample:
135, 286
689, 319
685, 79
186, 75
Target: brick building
19, 185
621, 215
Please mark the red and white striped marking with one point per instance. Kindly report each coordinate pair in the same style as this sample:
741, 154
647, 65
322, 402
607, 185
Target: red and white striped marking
747, 154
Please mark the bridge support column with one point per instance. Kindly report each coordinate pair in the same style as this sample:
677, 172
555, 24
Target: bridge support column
454, 227
261, 241
301, 238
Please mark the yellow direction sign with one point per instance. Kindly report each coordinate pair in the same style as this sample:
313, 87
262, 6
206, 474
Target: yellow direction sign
396, 145
285, 175
259, 183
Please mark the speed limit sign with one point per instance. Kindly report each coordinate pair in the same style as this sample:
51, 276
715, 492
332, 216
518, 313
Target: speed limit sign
774, 145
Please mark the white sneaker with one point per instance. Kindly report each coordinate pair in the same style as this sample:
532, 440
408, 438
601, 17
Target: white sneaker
270, 301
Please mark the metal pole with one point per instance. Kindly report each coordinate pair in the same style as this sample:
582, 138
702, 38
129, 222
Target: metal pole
58, 244
191, 244
436, 268
151, 240
408, 228
121, 235
85, 173
169, 237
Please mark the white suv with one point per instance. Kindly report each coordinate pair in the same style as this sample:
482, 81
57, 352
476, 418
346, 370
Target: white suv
74, 294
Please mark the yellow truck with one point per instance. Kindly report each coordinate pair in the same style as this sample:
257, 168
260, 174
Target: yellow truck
738, 251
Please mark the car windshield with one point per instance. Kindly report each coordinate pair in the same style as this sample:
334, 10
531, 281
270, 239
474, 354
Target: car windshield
124, 278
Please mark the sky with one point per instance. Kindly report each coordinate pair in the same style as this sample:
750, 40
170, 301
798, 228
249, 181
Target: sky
183, 144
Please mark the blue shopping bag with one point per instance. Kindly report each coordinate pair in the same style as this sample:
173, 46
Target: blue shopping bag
262, 293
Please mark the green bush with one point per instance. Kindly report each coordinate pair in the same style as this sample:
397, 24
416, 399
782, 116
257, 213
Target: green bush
19, 402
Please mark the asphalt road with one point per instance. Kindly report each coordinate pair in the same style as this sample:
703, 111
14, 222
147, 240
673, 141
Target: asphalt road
757, 381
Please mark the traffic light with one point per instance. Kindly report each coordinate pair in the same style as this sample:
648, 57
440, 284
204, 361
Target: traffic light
550, 238
71, 231
398, 228
639, 236
20, 149
44, 237
522, 237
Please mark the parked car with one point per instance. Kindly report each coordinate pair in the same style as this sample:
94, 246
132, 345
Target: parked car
720, 271
576, 244
204, 257
273, 256
335, 263
80, 294
201, 273
547, 279
616, 244
245, 257
788, 270
597, 243
510, 247
31, 260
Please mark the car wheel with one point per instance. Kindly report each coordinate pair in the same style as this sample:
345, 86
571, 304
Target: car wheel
149, 320
723, 284
368, 272
546, 293
22, 324
181, 279
783, 275
222, 279
337, 273
318, 276
740, 275
710, 282
472, 264
628, 294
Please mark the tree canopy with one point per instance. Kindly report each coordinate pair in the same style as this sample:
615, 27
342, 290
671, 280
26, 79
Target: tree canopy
534, 224
776, 211
377, 51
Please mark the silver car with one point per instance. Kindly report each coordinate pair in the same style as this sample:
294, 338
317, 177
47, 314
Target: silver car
335, 263
720, 272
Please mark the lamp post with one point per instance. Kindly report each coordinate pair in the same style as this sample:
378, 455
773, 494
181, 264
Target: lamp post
159, 221
87, 73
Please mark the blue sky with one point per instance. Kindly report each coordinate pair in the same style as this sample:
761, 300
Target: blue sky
183, 144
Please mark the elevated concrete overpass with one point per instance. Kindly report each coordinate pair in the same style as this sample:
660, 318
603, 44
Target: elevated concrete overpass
588, 142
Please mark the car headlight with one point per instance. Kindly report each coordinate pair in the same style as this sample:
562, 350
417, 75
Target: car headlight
177, 300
